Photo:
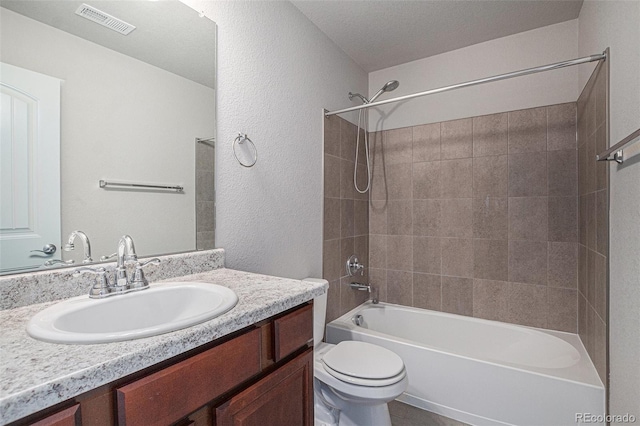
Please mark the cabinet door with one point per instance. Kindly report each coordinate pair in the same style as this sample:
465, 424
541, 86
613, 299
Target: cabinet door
284, 397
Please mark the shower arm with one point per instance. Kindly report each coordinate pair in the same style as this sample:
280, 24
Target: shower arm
557, 65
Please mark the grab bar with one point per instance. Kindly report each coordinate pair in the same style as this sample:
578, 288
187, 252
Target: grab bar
104, 184
616, 150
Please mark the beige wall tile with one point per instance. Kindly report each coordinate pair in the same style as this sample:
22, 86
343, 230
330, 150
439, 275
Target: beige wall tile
528, 217
456, 218
528, 262
378, 251
490, 135
490, 300
582, 270
561, 122
426, 217
562, 168
563, 265
331, 261
528, 174
582, 319
399, 182
590, 214
331, 218
346, 218
426, 255
427, 291
426, 142
563, 219
490, 218
361, 217
456, 138
378, 216
456, 178
400, 252
347, 140
528, 304
361, 249
582, 219
490, 176
457, 295
347, 191
528, 130
378, 281
332, 135
457, 257
332, 176
398, 146
333, 301
591, 277
602, 167
399, 217
601, 97
400, 287
562, 307
426, 180
600, 286
602, 222
490, 259
590, 166
599, 354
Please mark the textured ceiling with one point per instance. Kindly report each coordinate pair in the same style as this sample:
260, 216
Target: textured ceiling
381, 34
168, 34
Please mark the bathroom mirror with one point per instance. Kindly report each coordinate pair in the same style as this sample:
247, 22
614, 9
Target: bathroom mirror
113, 91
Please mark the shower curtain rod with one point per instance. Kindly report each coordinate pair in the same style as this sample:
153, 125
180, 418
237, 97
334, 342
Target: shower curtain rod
584, 60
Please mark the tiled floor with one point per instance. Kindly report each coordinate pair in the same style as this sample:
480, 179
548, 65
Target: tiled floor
407, 415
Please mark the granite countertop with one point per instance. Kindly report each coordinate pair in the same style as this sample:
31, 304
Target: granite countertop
36, 375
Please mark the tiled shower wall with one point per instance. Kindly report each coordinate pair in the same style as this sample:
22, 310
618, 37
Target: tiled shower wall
346, 215
593, 187
205, 196
479, 216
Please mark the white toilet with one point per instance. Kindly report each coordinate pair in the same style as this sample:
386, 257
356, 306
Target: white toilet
353, 381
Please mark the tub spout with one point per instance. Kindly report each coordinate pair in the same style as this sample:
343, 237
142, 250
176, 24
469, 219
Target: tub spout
365, 287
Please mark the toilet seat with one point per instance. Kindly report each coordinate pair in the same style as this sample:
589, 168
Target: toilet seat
363, 364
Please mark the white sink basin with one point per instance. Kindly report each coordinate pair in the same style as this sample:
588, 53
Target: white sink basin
160, 309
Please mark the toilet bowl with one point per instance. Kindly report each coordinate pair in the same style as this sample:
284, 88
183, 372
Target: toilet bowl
353, 381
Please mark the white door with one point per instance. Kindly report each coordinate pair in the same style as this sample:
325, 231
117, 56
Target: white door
29, 167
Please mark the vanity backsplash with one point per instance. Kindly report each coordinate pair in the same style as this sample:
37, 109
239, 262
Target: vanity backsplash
55, 284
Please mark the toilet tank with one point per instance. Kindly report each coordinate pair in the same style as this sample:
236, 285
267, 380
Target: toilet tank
319, 312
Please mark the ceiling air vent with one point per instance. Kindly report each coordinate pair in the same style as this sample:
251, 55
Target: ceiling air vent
104, 19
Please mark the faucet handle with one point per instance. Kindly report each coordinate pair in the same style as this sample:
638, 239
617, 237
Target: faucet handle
139, 280
100, 288
107, 257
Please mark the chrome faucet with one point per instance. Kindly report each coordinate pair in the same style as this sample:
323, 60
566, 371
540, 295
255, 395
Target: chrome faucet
126, 253
122, 284
85, 243
364, 287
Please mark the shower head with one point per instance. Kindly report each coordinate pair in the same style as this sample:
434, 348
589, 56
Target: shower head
388, 87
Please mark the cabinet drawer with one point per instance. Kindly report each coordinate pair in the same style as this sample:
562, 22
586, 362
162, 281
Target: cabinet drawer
68, 417
170, 394
292, 331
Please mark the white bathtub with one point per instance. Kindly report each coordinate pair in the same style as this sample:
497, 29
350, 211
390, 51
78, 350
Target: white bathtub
481, 372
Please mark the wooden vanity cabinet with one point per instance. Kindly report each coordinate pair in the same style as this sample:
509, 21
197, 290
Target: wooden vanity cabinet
262, 375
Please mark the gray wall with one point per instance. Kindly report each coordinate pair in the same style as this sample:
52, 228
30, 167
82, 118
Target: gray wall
614, 24
276, 74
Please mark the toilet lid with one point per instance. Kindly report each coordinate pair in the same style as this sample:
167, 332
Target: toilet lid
363, 360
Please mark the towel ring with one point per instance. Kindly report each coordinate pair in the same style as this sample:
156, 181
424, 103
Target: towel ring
240, 139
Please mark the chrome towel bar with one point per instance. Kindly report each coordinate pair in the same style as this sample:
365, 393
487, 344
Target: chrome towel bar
616, 150
105, 184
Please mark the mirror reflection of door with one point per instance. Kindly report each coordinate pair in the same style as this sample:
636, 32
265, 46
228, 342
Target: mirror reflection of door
29, 167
